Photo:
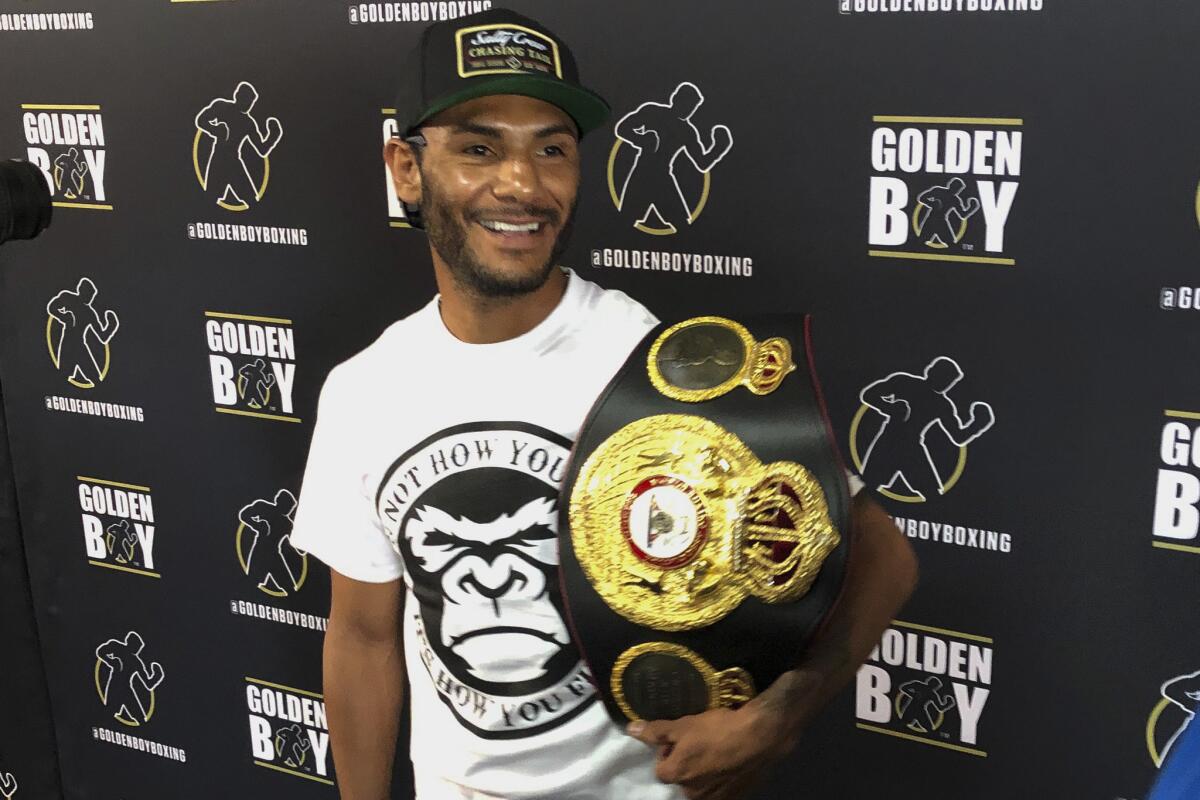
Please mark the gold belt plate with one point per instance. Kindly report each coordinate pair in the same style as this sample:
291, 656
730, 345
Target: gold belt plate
675, 522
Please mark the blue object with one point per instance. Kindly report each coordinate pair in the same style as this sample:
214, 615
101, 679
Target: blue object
1180, 775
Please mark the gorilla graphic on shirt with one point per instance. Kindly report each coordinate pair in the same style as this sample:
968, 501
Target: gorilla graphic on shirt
473, 513
485, 574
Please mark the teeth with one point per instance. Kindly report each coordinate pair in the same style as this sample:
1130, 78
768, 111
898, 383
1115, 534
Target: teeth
507, 227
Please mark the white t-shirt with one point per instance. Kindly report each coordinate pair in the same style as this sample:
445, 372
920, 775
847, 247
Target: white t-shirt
440, 461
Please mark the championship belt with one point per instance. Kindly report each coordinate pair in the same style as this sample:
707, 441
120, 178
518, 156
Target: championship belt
703, 530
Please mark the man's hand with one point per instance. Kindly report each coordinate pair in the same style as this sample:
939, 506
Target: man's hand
721, 754
717, 755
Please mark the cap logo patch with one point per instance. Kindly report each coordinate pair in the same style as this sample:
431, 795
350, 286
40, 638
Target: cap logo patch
502, 48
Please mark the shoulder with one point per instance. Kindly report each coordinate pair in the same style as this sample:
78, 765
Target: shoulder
613, 306
368, 370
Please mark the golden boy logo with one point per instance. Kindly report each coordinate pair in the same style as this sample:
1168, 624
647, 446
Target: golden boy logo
943, 188
66, 142
926, 684
252, 364
288, 730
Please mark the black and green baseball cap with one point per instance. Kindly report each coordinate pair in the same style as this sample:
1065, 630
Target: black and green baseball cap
493, 52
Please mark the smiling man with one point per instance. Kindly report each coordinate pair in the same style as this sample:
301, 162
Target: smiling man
432, 482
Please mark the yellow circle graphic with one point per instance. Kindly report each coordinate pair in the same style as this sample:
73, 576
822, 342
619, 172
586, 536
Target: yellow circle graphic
903, 498
1198, 203
54, 356
612, 192
1151, 725
243, 206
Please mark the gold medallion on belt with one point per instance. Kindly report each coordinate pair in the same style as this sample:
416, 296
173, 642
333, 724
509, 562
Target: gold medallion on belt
703, 358
726, 688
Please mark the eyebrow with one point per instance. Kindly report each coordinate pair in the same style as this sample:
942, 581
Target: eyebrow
477, 129
494, 133
553, 130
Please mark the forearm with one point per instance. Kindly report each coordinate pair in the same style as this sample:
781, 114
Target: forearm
881, 575
364, 691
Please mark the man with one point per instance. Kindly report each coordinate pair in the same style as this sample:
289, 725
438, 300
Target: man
439, 451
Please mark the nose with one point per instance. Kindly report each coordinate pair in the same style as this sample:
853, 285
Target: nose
517, 178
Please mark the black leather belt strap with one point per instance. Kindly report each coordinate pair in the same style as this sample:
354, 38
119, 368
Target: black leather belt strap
704, 518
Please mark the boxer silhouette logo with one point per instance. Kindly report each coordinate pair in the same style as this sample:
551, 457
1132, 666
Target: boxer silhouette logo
937, 209
292, 745
254, 383
264, 545
77, 335
125, 682
121, 540
231, 150
916, 438
70, 170
921, 706
666, 184
1172, 715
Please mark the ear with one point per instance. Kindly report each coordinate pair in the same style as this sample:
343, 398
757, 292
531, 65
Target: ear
402, 164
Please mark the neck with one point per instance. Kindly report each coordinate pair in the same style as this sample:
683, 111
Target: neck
476, 319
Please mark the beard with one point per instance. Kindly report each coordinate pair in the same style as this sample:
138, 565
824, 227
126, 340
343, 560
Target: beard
447, 233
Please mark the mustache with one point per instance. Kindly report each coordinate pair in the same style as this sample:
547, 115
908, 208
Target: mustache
539, 213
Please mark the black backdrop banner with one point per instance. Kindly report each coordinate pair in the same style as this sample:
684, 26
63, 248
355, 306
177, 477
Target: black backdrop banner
27, 736
989, 206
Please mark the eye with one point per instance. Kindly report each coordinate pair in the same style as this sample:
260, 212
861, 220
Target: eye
480, 150
565, 150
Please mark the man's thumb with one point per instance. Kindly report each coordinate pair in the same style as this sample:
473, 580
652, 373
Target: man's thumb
657, 732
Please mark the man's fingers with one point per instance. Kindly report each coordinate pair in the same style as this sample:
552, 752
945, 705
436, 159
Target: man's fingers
657, 732
669, 770
683, 764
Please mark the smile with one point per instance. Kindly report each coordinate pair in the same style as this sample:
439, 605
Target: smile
511, 227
